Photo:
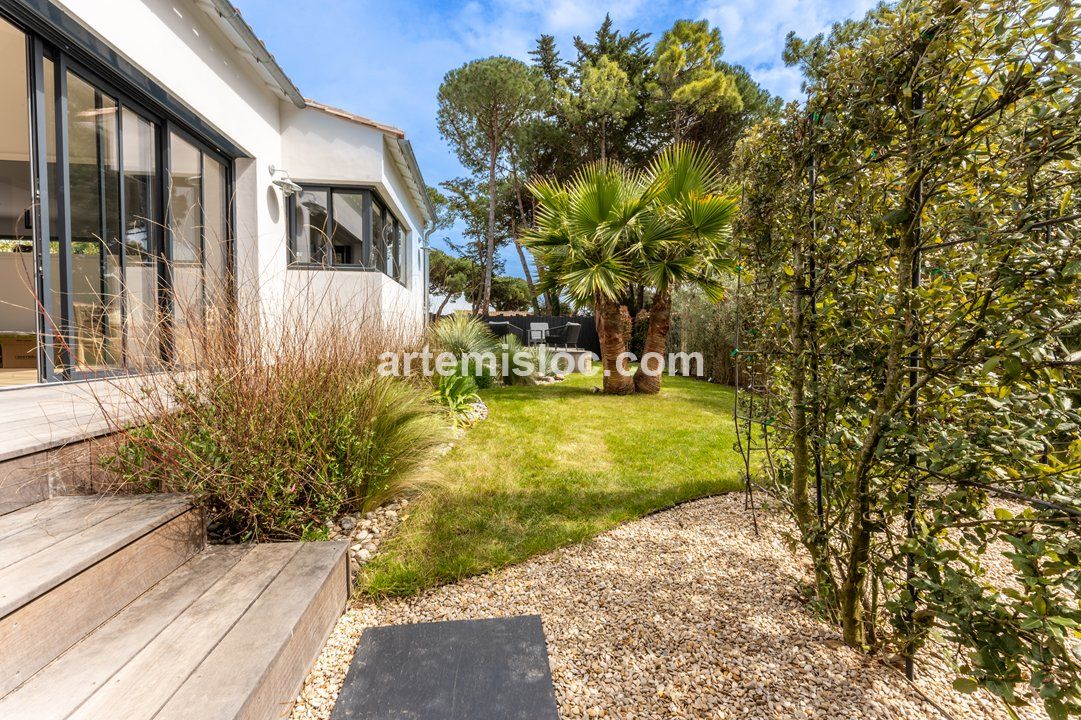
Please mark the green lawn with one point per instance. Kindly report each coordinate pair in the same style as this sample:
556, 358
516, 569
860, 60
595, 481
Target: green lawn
555, 465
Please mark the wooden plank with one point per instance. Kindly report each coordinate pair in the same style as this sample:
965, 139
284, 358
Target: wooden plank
150, 678
20, 485
39, 631
48, 529
33, 576
39, 418
257, 669
278, 692
17, 521
65, 683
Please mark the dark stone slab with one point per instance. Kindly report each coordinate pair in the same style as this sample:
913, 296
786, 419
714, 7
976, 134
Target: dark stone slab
466, 670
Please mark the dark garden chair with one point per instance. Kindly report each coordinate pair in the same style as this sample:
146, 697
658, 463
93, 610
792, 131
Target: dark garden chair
502, 328
564, 335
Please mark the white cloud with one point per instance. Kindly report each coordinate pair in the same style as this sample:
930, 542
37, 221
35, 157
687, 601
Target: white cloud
754, 32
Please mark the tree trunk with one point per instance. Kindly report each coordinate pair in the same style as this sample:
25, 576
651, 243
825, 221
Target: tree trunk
677, 126
852, 590
903, 332
521, 251
439, 312
528, 277
555, 305
612, 324
660, 322
604, 154
493, 150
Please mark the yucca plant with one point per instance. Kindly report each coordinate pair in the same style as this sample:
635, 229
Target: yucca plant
460, 334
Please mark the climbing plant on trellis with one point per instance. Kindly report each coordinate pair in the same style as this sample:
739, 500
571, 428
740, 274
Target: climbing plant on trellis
910, 316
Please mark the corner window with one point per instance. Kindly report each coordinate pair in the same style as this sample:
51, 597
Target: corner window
346, 228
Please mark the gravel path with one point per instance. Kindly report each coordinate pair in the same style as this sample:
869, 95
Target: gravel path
683, 614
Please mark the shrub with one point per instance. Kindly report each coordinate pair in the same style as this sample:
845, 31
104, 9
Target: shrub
518, 357
275, 433
701, 325
482, 375
456, 394
461, 334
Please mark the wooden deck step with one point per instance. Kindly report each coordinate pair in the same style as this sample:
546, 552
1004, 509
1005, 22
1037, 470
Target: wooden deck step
50, 434
92, 661
69, 564
230, 634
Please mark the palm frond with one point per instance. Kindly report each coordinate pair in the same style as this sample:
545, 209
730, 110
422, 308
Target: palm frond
607, 277
686, 170
707, 217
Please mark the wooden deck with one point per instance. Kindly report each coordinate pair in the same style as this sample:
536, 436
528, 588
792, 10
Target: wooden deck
111, 607
18, 376
42, 417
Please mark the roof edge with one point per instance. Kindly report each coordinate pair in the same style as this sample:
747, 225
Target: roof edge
353, 117
414, 168
227, 13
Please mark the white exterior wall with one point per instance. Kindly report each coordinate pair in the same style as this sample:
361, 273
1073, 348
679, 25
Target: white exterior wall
323, 149
178, 45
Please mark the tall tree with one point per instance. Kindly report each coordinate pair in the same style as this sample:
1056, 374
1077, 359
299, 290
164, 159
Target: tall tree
720, 130
448, 276
510, 293
546, 59
480, 103
690, 79
603, 97
468, 201
631, 143
523, 143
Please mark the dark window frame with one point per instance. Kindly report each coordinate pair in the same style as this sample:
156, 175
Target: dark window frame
372, 198
54, 36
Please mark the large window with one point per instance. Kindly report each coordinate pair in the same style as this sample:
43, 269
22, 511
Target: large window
124, 262
198, 233
345, 228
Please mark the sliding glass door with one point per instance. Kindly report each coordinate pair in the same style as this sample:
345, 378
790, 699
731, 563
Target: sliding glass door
18, 293
114, 225
93, 278
198, 229
141, 239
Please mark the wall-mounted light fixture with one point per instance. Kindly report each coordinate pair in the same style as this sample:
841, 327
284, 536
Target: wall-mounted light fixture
285, 183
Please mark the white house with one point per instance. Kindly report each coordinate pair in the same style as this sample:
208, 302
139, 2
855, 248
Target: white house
155, 163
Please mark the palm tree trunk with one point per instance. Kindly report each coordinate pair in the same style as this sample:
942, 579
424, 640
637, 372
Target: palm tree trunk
613, 323
660, 322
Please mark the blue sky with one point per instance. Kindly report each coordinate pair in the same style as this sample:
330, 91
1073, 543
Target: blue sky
385, 60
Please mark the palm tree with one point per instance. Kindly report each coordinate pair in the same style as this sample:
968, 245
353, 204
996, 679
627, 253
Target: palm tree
608, 227
692, 246
584, 237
